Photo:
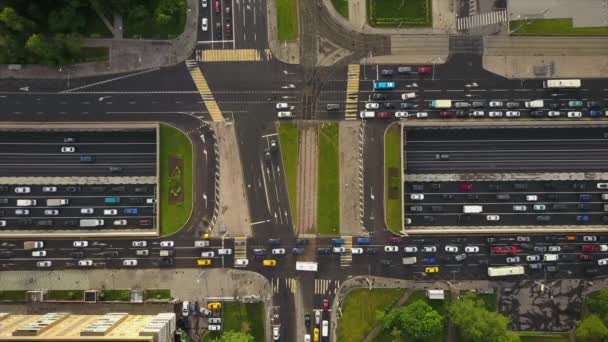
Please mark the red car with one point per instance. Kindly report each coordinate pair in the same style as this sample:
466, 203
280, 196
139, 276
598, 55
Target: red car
394, 239
217, 7
384, 115
447, 114
506, 249
466, 187
425, 70
325, 304
590, 248
585, 257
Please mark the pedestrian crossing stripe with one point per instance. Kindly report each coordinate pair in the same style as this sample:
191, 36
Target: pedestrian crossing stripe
203, 89
288, 283
352, 91
483, 19
346, 258
235, 55
240, 248
326, 286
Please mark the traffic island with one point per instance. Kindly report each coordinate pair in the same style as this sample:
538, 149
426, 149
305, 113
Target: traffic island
288, 141
393, 189
328, 200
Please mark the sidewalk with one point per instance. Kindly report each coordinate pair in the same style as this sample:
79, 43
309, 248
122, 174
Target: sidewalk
286, 52
378, 327
126, 55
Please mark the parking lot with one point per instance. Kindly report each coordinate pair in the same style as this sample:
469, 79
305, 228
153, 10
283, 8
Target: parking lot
74, 180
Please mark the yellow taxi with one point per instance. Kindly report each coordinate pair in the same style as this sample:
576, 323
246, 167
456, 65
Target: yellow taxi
203, 262
269, 263
214, 305
431, 269
315, 335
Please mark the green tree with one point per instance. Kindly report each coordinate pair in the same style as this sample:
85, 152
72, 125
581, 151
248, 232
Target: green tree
597, 302
234, 336
39, 45
476, 324
166, 10
68, 18
11, 20
417, 321
591, 327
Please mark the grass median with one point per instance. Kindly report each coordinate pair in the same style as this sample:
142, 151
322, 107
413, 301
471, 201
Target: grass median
328, 196
549, 27
65, 295
287, 19
241, 317
341, 6
359, 311
157, 294
288, 140
122, 295
400, 13
393, 192
13, 295
175, 179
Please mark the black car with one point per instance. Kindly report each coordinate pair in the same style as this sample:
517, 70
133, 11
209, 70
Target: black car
259, 251
77, 255
4, 188
593, 104
140, 189
578, 186
388, 105
323, 250
70, 223
378, 96
135, 200
385, 262
98, 188
551, 268
24, 221
465, 218
73, 188
2, 213
274, 242
472, 197
447, 196
435, 186
495, 187
408, 105
537, 113
552, 197
429, 219
166, 262
555, 105
301, 242
120, 188
549, 185
6, 254
307, 321
371, 251
461, 114
109, 254
589, 270
583, 207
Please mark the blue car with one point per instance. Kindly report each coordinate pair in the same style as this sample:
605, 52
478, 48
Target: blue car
131, 211
582, 218
429, 261
297, 251
595, 113
363, 241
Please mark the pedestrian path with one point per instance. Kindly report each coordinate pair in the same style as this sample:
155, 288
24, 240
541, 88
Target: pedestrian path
352, 91
346, 258
235, 55
288, 284
326, 286
240, 247
483, 19
203, 89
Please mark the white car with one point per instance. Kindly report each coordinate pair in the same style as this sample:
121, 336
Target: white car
451, 249
241, 262
539, 207
531, 198
554, 248
554, 113
204, 3
87, 210
495, 103
2, 223
204, 24
602, 262
410, 249
512, 260
422, 115
68, 149
520, 208
513, 114
429, 249
602, 185
339, 250
22, 190
278, 251
307, 338
391, 249
120, 222
275, 333
49, 189
85, 263
282, 105
81, 243
479, 113
139, 243
417, 197
110, 212
532, 258
372, 105
129, 262
224, 251
495, 114
493, 217
284, 114
167, 244
356, 250
39, 253
471, 249
401, 114
575, 114
604, 248
590, 238
51, 212
207, 254
150, 200
48, 263
22, 212
201, 243
214, 327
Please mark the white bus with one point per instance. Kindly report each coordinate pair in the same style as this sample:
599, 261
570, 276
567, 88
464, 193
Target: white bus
562, 83
505, 271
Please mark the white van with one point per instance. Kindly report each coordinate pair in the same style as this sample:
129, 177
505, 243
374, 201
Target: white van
365, 114
325, 329
185, 308
604, 197
550, 257
408, 96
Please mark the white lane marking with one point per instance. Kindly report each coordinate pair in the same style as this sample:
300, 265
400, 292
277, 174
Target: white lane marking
110, 80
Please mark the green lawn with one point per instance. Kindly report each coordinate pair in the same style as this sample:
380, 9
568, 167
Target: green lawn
175, 144
288, 140
287, 19
400, 13
65, 295
13, 295
328, 197
148, 26
114, 295
242, 317
157, 294
553, 27
392, 178
533, 336
359, 311
341, 6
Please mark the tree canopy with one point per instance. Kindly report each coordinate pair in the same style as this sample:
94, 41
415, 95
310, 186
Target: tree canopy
591, 327
476, 324
417, 321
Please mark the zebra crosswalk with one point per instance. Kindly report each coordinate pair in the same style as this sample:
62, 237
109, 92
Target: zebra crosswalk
235, 55
488, 18
289, 284
203, 89
346, 259
352, 91
326, 286
240, 247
